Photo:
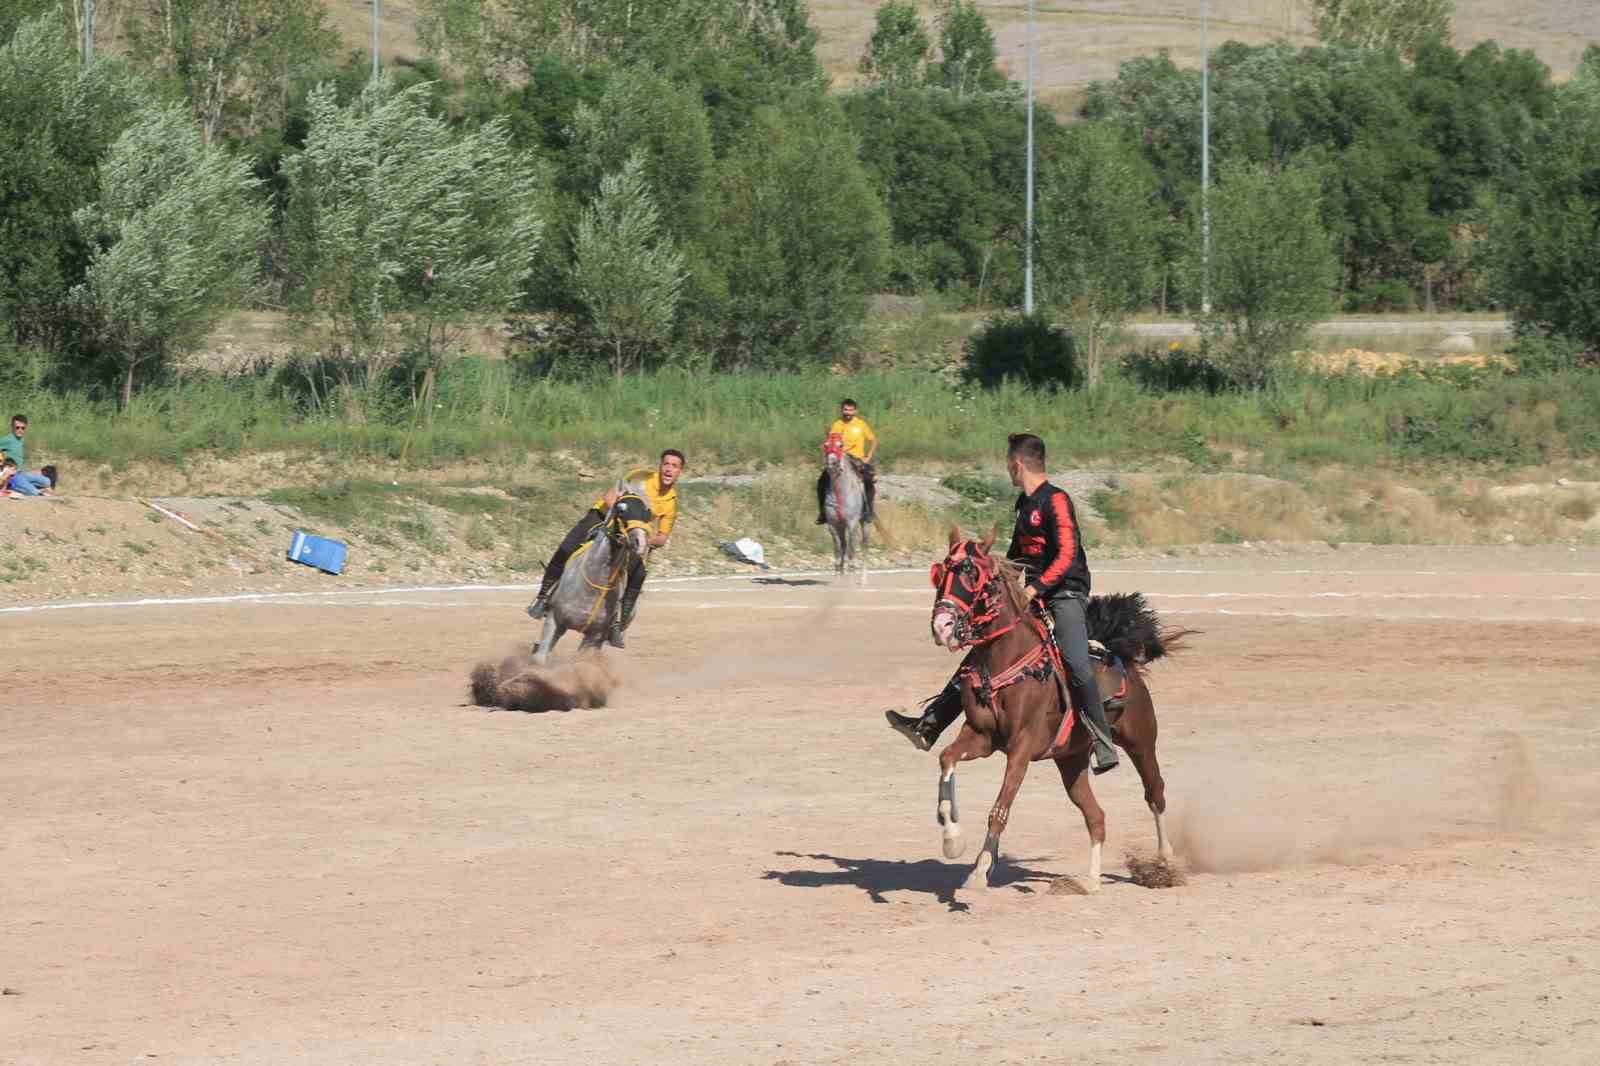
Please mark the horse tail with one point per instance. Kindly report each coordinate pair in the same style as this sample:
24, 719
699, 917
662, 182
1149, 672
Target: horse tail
1130, 628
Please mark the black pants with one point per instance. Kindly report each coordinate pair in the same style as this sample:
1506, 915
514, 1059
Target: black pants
1072, 637
569, 544
869, 482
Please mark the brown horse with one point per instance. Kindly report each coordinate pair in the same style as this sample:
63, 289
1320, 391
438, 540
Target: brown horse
1013, 695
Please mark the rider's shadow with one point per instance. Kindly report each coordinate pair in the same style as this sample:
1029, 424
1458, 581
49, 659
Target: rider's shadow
878, 877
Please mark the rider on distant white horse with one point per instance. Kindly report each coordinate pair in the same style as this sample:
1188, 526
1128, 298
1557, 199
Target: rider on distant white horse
860, 444
661, 492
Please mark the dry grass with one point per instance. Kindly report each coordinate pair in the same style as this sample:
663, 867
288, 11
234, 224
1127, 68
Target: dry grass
1339, 504
1084, 41
1157, 511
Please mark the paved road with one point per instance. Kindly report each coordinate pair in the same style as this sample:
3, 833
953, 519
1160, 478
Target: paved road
1478, 327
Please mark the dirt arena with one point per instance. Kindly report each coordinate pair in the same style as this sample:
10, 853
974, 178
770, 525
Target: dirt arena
273, 831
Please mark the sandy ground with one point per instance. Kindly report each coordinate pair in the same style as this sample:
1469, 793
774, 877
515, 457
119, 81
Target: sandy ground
273, 832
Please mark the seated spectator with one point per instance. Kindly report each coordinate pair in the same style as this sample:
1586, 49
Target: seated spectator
14, 452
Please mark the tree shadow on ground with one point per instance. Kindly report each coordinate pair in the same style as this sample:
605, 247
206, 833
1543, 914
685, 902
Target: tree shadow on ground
878, 877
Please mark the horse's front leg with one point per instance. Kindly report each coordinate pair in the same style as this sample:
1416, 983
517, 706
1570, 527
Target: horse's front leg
864, 528
840, 545
969, 744
547, 642
999, 814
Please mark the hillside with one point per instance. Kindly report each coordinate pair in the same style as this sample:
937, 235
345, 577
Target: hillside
1086, 39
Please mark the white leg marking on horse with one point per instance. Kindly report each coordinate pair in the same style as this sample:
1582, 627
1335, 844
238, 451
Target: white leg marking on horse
1092, 883
1163, 845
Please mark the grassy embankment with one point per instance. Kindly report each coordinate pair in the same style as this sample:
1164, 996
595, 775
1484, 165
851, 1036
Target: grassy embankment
1409, 458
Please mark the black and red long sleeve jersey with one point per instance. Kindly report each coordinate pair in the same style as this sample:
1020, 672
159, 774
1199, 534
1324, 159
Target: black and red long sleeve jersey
1047, 541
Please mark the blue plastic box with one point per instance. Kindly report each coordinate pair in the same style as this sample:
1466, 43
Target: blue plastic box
324, 554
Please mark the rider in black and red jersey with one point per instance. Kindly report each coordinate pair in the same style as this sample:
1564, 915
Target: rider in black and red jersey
1046, 542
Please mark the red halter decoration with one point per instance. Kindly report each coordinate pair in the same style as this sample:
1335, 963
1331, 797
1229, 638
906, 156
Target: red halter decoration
977, 575
834, 445
980, 578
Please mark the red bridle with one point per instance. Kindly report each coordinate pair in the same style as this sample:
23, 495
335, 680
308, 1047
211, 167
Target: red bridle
971, 570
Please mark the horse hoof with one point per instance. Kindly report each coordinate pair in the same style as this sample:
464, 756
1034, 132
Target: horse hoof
954, 845
979, 877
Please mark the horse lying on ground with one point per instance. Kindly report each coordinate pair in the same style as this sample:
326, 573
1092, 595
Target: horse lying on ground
1014, 696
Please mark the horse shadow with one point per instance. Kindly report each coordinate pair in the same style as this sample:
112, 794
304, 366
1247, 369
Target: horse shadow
878, 877
788, 582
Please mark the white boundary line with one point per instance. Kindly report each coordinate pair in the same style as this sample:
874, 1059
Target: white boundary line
269, 597
744, 576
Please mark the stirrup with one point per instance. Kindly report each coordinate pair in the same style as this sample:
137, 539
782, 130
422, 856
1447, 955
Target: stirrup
614, 638
539, 606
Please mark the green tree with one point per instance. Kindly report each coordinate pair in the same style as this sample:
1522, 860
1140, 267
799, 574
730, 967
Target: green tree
178, 231
502, 40
1405, 26
1272, 269
644, 113
1097, 232
400, 231
625, 268
799, 234
897, 53
950, 170
58, 118
1545, 224
967, 52
234, 61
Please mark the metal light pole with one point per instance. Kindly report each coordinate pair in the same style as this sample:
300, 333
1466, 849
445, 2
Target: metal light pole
374, 40
1205, 165
1027, 251
88, 31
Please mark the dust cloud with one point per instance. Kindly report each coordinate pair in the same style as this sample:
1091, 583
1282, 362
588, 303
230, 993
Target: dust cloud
515, 684
1240, 827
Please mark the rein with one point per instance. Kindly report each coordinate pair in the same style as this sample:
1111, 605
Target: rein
616, 533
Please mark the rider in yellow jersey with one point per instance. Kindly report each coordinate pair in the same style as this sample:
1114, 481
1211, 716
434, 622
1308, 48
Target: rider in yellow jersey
860, 444
661, 490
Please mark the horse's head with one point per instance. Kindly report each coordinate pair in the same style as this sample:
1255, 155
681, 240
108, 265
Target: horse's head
629, 522
833, 451
969, 593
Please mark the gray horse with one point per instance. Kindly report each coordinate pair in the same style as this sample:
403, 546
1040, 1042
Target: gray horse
586, 599
843, 505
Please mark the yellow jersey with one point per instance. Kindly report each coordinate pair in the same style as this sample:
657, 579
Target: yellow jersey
857, 435
664, 505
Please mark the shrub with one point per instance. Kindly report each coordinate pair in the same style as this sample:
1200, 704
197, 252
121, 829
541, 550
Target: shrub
1174, 369
1382, 294
1022, 348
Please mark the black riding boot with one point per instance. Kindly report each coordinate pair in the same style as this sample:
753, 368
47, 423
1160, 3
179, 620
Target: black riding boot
936, 717
1086, 698
822, 500
871, 509
541, 602
624, 618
